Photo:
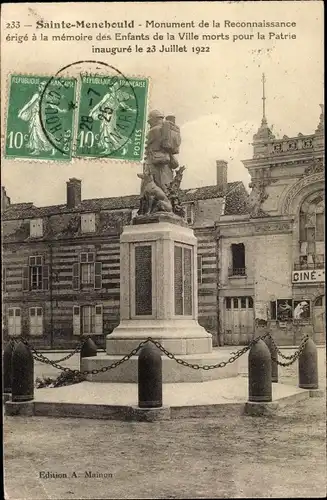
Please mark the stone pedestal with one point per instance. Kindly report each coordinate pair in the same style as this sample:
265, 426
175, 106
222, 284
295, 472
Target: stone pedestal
158, 299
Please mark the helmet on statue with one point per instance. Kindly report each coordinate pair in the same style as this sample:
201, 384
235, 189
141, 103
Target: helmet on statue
155, 114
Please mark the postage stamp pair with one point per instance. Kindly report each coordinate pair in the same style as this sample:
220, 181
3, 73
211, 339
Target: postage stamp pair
60, 118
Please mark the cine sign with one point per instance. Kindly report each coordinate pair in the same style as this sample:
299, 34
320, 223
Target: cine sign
312, 276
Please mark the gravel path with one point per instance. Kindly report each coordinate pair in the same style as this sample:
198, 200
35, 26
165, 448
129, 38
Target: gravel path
239, 457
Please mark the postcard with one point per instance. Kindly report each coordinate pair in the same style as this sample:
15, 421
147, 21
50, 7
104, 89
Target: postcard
162, 200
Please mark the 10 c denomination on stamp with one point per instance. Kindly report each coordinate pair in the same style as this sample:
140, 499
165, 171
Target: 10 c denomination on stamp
111, 121
76, 113
25, 134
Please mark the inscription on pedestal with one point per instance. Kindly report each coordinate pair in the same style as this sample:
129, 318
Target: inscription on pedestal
178, 279
143, 280
183, 286
188, 281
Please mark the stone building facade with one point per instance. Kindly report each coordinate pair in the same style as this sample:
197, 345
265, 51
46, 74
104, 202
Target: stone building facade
61, 264
273, 256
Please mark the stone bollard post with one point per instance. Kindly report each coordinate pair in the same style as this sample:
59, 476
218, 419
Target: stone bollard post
7, 364
150, 377
308, 366
274, 355
259, 362
88, 350
22, 363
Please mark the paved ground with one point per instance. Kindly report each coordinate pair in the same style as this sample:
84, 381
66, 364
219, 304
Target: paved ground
223, 391
242, 457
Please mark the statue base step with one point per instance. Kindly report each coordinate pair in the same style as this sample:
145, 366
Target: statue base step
172, 371
184, 336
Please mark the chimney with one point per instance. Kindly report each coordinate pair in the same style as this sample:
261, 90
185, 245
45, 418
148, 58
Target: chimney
74, 192
5, 200
221, 166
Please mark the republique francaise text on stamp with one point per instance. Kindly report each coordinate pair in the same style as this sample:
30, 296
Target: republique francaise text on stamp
88, 115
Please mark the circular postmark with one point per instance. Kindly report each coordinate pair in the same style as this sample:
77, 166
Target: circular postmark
90, 109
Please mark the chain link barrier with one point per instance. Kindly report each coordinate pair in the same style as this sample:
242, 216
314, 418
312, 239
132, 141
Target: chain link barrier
284, 356
38, 356
294, 356
76, 350
222, 364
43, 359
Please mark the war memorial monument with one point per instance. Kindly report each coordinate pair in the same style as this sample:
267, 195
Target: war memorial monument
158, 278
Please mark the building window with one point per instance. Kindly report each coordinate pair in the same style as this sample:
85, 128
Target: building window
88, 320
238, 260
312, 232
273, 310
14, 322
36, 321
87, 272
88, 223
189, 212
36, 228
183, 290
35, 277
200, 269
238, 302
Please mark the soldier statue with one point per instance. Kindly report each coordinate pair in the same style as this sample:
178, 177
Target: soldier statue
158, 189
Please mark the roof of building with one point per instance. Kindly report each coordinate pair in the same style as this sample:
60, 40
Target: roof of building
236, 203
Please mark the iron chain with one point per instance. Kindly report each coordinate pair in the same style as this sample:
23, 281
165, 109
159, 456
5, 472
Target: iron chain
279, 352
235, 355
43, 359
195, 366
77, 349
294, 356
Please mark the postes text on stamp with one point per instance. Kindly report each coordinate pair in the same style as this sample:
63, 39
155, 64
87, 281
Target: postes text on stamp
40, 118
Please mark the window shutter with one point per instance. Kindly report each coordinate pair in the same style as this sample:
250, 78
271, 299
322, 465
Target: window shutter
200, 269
98, 275
76, 320
38, 321
25, 278
11, 322
76, 277
33, 320
98, 320
273, 309
18, 322
46, 277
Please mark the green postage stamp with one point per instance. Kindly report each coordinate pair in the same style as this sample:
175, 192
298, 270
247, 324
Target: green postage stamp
40, 118
111, 121
87, 117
